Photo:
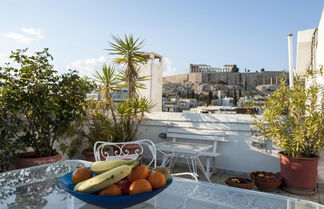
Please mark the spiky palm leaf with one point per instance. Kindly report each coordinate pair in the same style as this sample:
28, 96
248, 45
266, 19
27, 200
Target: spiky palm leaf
130, 55
108, 82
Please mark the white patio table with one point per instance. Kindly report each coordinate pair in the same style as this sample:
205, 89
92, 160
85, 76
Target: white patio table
37, 187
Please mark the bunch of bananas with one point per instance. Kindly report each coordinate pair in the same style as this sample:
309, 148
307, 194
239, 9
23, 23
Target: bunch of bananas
108, 173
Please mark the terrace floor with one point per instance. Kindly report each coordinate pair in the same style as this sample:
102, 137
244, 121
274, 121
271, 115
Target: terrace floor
219, 178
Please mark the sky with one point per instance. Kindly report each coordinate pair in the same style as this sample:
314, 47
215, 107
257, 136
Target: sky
248, 33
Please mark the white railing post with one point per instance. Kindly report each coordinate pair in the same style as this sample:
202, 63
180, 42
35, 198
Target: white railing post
290, 60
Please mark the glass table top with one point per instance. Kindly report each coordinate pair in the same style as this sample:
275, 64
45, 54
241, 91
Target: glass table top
37, 187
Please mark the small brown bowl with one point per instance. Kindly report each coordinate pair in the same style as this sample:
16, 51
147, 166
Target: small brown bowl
245, 183
268, 183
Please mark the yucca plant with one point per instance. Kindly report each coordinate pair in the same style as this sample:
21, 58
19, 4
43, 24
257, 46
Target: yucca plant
127, 115
128, 52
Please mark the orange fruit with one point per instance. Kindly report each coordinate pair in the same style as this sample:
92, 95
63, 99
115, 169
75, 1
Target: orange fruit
140, 186
139, 172
80, 174
112, 190
157, 180
149, 173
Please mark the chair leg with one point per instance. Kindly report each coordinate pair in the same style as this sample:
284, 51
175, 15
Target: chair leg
173, 161
189, 166
208, 166
214, 165
194, 165
200, 165
165, 160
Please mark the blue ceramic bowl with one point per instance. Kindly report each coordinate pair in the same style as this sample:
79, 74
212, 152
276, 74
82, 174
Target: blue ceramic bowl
123, 201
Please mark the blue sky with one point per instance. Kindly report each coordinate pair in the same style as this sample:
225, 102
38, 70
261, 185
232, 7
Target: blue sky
249, 33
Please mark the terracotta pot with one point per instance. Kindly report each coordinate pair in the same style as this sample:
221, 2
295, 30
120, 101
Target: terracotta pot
269, 183
29, 159
298, 172
88, 156
245, 183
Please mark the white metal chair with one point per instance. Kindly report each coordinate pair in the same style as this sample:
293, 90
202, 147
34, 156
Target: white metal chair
120, 150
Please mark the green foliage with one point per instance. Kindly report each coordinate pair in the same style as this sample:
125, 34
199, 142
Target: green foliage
234, 98
105, 119
39, 102
92, 127
129, 54
127, 115
130, 115
294, 119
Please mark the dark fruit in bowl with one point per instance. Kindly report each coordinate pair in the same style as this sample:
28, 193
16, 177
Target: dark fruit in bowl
124, 186
112, 190
81, 174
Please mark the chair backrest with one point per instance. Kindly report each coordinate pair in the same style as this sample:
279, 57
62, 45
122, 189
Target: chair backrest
122, 150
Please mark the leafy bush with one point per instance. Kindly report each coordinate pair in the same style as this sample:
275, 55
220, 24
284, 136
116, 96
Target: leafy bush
39, 102
294, 119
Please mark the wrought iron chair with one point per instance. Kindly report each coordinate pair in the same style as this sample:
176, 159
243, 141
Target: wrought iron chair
109, 150
120, 150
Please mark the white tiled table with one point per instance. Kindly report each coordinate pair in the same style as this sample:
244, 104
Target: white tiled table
37, 187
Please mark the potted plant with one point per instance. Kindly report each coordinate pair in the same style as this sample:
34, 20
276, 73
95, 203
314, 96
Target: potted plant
94, 126
115, 120
127, 115
266, 181
293, 118
40, 103
107, 119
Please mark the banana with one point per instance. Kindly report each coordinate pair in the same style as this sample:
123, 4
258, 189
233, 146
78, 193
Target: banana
105, 179
103, 166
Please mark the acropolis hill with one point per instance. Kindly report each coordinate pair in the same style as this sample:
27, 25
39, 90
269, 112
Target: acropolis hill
227, 75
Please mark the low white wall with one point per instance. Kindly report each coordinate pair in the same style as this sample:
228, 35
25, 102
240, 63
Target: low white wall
237, 153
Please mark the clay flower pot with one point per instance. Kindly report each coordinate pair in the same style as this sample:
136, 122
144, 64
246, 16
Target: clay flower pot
266, 181
299, 173
29, 159
88, 155
239, 182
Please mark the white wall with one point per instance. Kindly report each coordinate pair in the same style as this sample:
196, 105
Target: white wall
304, 43
153, 85
320, 80
237, 153
320, 43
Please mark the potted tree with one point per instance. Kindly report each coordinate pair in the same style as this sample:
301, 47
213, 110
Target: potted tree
94, 126
115, 120
293, 118
40, 103
107, 119
126, 115
131, 112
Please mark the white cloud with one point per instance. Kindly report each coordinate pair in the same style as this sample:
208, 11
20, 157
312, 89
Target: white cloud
34, 31
168, 67
33, 34
87, 66
20, 38
3, 60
